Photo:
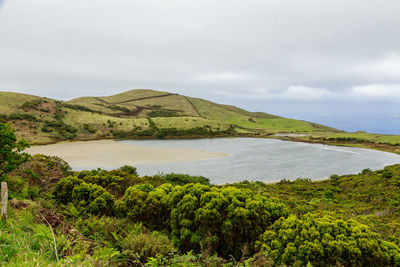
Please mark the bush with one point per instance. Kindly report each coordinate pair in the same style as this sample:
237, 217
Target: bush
63, 189
93, 199
129, 169
89, 128
88, 198
182, 179
11, 155
225, 218
366, 171
43, 171
326, 241
33, 104
107, 229
116, 182
387, 174
144, 204
146, 245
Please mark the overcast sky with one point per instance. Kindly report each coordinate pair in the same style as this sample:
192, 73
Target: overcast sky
335, 62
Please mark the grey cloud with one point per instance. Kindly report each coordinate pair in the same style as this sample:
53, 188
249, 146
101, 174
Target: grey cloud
231, 51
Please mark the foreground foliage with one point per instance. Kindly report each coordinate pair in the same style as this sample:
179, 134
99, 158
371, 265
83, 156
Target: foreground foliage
327, 241
117, 218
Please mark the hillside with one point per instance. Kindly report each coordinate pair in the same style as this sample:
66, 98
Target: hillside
137, 114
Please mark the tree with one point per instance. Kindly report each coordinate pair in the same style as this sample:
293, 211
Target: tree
10, 150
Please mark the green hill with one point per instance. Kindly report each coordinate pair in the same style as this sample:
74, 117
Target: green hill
136, 113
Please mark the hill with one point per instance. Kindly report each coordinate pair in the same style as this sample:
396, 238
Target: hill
137, 114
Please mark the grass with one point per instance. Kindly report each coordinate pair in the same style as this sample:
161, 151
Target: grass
152, 101
10, 102
245, 119
374, 138
24, 242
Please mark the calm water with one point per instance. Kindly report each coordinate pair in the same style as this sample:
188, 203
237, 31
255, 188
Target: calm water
267, 159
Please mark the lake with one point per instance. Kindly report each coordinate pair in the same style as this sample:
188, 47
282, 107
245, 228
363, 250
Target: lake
266, 160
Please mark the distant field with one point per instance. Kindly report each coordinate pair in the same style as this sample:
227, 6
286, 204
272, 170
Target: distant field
242, 118
375, 138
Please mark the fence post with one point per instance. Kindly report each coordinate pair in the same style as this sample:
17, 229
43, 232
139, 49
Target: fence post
4, 200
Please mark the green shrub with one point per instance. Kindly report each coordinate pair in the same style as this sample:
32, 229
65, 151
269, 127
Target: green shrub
162, 113
225, 218
93, 199
145, 204
182, 179
114, 182
366, 171
146, 245
88, 128
129, 169
11, 155
107, 229
64, 188
88, 198
326, 241
33, 104
16, 185
387, 174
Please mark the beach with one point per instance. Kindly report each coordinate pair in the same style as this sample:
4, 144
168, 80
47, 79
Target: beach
112, 154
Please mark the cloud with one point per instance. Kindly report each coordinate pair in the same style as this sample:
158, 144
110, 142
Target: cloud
386, 68
377, 91
222, 77
228, 51
304, 93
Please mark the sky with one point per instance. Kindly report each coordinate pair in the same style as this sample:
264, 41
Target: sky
335, 62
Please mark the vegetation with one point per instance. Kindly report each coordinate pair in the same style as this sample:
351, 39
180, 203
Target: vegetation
10, 148
326, 241
118, 218
341, 221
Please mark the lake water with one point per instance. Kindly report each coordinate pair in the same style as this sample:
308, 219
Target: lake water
267, 160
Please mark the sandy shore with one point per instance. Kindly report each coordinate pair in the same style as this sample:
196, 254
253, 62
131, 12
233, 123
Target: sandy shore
112, 154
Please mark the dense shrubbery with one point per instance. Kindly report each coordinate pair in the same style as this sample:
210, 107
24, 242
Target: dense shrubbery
327, 241
162, 113
87, 127
115, 182
20, 116
145, 204
154, 131
225, 218
229, 220
33, 104
197, 215
88, 198
79, 107
116, 218
182, 179
43, 171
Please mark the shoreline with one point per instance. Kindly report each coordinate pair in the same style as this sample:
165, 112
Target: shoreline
82, 154
284, 137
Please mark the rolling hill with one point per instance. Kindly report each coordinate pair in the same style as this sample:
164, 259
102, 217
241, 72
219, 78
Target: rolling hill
137, 113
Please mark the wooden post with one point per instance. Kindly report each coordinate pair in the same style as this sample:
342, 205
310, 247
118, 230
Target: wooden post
4, 200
